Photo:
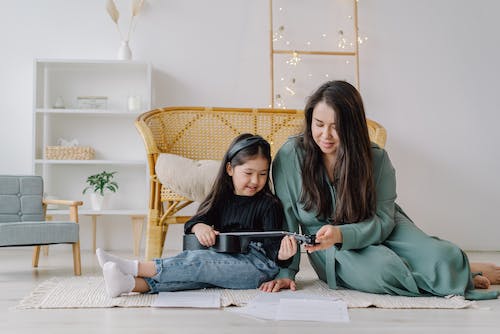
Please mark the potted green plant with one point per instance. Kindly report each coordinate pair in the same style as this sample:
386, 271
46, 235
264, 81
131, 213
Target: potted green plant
99, 184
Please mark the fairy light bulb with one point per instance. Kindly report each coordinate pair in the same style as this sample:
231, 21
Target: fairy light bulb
280, 103
278, 35
295, 60
361, 39
290, 88
342, 43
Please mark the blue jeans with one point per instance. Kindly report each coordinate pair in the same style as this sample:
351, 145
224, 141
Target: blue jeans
198, 269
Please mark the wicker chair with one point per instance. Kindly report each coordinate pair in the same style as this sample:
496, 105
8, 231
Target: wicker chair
204, 134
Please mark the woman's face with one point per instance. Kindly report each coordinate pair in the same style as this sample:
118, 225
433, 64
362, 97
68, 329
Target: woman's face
323, 129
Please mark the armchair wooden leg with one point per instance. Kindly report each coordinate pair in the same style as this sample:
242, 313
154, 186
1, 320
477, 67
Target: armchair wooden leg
137, 223
154, 242
36, 256
154, 236
46, 247
77, 264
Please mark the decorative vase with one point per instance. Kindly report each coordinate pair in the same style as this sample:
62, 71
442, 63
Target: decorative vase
124, 52
98, 202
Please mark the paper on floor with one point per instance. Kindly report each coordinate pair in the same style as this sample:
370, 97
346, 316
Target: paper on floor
288, 305
195, 299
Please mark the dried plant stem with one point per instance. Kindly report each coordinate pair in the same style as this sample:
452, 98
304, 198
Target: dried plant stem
120, 33
130, 27
115, 15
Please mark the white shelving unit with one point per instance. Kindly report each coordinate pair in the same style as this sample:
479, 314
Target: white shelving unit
110, 132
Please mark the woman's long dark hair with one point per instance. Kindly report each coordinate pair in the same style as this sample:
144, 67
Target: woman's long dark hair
353, 170
243, 148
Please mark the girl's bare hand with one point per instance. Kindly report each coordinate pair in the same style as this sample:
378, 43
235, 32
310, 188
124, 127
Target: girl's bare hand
277, 284
205, 234
288, 248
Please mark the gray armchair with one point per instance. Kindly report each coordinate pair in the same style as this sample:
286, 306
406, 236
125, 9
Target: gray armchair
22, 218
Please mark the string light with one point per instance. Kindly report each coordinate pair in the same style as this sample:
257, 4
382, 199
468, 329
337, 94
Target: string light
342, 43
295, 60
361, 39
279, 34
279, 102
290, 88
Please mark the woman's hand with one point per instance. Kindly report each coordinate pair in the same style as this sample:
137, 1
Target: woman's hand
288, 248
278, 284
326, 237
205, 234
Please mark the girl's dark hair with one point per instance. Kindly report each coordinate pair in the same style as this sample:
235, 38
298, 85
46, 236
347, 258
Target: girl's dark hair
353, 170
243, 148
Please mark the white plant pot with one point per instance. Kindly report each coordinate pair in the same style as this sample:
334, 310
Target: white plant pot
99, 202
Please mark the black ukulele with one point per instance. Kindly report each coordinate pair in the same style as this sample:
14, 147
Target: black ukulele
237, 242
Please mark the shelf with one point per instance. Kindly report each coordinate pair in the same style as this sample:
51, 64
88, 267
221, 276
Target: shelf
74, 63
110, 132
115, 212
91, 162
87, 112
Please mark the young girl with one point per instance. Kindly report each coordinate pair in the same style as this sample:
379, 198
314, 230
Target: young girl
240, 200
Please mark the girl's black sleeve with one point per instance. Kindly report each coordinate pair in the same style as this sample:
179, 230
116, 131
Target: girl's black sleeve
205, 219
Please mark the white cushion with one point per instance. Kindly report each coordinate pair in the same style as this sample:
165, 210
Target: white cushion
190, 178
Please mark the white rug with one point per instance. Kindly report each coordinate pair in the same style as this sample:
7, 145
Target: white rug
89, 292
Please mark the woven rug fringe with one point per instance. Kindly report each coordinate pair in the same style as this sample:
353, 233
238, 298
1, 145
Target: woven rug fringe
35, 298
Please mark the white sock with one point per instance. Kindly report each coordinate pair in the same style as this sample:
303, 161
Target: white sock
116, 281
126, 266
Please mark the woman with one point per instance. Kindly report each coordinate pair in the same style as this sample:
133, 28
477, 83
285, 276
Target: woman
336, 184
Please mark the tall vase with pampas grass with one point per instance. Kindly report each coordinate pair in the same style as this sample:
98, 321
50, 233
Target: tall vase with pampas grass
124, 52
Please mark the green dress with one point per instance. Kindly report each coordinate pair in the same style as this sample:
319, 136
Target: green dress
385, 254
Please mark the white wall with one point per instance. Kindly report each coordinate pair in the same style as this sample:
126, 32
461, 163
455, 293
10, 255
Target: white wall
430, 75
427, 73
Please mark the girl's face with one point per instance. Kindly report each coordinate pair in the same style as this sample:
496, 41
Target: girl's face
250, 177
323, 128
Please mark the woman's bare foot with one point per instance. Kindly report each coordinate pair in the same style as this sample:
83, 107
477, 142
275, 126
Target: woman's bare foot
481, 282
489, 270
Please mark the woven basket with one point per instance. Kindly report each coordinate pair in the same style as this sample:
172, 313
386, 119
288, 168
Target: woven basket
69, 153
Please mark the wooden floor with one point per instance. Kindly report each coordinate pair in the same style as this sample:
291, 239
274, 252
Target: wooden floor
17, 279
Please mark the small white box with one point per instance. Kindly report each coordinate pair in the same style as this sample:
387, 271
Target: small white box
92, 102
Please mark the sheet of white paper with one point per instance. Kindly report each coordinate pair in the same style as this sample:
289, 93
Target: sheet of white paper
275, 297
266, 306
197, 299
312, 310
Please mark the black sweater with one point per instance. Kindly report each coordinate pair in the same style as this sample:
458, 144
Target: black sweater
259, 213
